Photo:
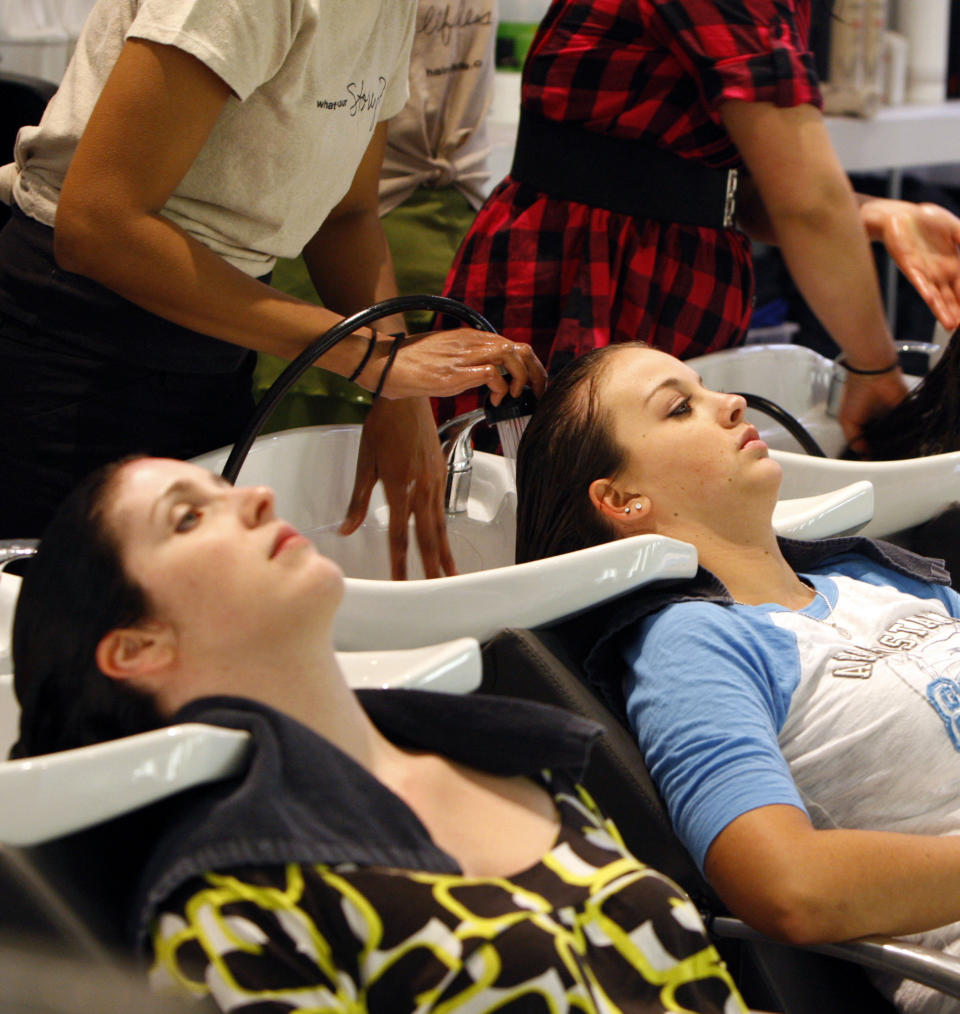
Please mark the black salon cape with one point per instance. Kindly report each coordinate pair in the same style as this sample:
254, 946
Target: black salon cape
301, 799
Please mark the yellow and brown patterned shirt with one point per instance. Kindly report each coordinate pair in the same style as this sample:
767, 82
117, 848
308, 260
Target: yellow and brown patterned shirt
588, 928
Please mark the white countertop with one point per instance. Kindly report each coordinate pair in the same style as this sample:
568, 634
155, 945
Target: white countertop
898, 137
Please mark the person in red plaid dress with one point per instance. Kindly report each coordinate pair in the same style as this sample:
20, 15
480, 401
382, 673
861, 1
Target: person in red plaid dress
721, 84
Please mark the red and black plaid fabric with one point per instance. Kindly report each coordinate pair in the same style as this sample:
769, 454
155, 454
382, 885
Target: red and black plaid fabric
569, 277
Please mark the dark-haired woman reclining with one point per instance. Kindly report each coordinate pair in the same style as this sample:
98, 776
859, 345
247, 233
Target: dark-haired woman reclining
797, 703
404, 851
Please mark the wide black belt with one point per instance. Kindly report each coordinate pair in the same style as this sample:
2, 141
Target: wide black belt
622, 174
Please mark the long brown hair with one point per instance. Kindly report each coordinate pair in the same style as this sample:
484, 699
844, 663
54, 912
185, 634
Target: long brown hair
566, 445
74, 591
927, 421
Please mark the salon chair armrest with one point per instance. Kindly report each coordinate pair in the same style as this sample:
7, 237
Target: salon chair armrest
883, 954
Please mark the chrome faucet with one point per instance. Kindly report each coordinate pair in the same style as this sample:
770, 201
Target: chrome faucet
16, 549
457, 444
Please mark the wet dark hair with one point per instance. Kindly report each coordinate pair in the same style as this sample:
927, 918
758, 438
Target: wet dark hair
927, 421
566, 445
74, 591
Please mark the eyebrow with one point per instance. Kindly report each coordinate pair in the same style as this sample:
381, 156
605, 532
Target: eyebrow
675, 382
182, 487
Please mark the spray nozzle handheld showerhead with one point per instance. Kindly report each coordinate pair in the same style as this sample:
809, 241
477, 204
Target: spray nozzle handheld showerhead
511, 417
510, 407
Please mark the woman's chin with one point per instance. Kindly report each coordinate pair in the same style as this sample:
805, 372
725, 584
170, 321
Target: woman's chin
773, 472
314, 595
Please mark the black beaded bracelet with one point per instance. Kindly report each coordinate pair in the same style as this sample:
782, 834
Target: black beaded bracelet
371, 341
868, 373
391, 355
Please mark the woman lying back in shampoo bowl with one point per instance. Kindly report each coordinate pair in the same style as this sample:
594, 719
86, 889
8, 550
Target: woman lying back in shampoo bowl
360, 863
796, 702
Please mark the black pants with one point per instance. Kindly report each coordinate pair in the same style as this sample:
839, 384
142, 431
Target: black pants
61, 415
76, 391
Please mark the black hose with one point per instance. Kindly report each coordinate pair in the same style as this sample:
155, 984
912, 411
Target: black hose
326, 341
792, 425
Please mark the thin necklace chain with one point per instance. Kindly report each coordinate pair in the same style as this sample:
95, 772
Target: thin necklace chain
828, 620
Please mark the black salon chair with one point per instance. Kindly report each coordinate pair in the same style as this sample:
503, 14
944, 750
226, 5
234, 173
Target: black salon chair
64, 946
22, 102
71, 894
545, 665
36, 911
60, 936
43, 980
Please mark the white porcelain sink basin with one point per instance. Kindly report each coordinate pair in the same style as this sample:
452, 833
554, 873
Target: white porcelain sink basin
9, 590
798, 379
312, 468
843, 511
45, 797
451, 666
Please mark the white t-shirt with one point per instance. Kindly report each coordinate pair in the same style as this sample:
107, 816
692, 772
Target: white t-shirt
848, 709
863, 704
439, 139
310, 81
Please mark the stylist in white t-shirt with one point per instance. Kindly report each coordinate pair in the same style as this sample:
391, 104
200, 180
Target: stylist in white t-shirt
189, 146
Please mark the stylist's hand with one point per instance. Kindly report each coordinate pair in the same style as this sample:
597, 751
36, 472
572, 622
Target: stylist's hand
399, 445
924, 240
442, 363
865, 398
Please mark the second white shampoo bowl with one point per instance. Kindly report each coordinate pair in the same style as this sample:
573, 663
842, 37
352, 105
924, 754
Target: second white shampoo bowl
312, 470
45, 797
907, 492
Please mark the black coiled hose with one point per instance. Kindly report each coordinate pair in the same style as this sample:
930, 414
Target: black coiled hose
326, 341
790, 423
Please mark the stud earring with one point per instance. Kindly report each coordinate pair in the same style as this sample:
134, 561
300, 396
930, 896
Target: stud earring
626, 510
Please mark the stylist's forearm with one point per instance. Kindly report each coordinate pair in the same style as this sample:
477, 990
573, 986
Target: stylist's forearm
815, 219
155, 264
350, 264
828, 255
